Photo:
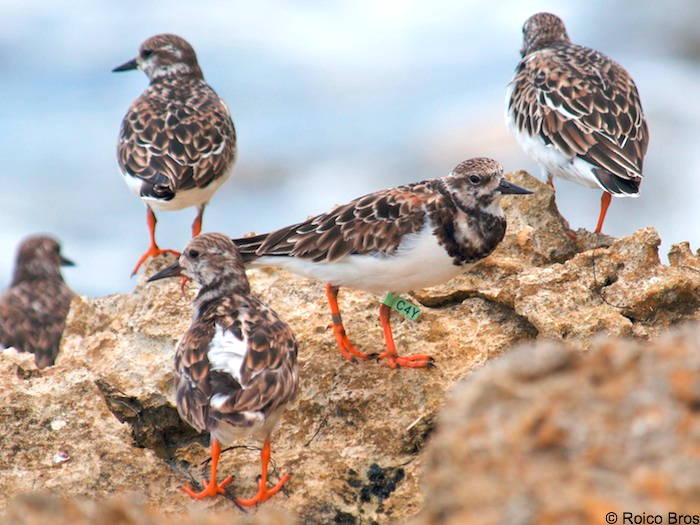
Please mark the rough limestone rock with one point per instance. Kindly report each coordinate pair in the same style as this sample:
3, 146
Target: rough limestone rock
547, 434
573, 290
100, 425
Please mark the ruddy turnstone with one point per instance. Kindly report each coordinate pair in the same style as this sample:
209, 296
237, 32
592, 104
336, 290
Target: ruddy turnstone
236, 366
177, 143
394, 240
577, 113
33, 310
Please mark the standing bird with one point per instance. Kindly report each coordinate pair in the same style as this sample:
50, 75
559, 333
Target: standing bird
577, 113
33, 310
236, 366
177, 143
394, 240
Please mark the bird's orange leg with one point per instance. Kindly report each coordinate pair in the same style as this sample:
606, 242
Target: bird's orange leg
344, 345
211, 488
393, 358
604, 203
197, 223
263, 493
153, 249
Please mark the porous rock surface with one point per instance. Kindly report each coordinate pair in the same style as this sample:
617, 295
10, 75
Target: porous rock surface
548, 434
100, 426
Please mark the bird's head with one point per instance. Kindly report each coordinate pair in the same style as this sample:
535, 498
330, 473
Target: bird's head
542, 30
164, 55
479, 183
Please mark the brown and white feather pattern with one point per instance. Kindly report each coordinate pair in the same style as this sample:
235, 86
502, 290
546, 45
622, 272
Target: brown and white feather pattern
236, 366
398, 239
582, 105
178, 135
34, 309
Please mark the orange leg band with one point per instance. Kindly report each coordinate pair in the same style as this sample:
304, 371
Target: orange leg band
344, 345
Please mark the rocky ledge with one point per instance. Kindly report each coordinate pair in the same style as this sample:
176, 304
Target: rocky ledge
567, 420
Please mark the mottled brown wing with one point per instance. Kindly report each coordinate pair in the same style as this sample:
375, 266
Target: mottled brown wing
192, 375
370, 224
32, 318
176, 138
268, 373
586, 105
268, 377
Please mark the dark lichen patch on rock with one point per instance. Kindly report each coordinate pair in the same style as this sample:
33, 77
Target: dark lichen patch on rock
380, 483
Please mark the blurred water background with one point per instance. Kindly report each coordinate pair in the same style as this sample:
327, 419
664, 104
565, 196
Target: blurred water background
331, 99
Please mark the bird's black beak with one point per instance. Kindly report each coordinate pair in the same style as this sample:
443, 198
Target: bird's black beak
66, 262
508, 188
174, 270
126, 66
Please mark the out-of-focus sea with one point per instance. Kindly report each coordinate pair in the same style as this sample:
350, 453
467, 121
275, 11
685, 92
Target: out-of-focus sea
330, 99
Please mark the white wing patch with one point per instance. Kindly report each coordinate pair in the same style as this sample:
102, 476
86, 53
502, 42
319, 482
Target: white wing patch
227, 352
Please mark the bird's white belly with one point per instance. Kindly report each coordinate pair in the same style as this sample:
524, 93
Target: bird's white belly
557, 164
419, 262
183, 198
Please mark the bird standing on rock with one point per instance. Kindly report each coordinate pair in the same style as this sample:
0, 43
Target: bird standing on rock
236, 366
577, 113
33, 310
394, 240
177, 143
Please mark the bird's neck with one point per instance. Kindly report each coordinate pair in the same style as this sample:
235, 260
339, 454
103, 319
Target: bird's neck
36, 271
211, 294
175, 74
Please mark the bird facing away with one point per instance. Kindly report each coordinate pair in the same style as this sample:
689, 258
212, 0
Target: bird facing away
577, 113
177, 143
236, 366
394, 240
33, 309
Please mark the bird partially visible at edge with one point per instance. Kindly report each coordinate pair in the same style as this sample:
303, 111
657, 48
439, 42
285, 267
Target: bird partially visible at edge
577, 113
236, 366
177, 142
33, 309
394, 240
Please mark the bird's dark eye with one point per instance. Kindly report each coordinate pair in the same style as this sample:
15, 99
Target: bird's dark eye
474, 179
193, 254
147, 53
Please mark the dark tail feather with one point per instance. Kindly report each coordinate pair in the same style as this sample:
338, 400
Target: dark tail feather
617, 185
248, 246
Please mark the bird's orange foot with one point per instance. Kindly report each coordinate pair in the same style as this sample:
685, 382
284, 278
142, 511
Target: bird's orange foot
345, 346
263, 493
183, 282
407, 361
151, 252
210, 490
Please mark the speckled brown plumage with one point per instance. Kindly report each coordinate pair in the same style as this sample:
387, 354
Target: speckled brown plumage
177, 142
34, 309
268, 378
580, 103
395, 240
377, 223
178, 134
236, 366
